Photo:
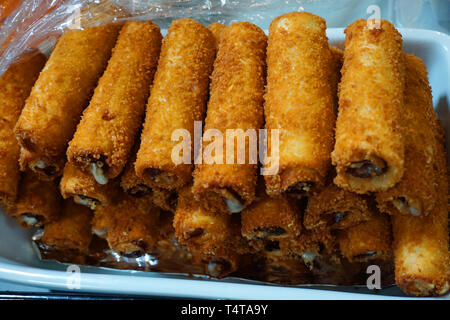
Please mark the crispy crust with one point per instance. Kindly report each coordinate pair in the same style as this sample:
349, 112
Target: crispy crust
319, 241
75, 182
38, 198
60, 94
216, 29
422, 258
236, 102
299, 100
15, 86
368, 240
111, 121
136, 187
270, 220
132, 225
330, 200
368, 126
418, 185
72, 231
177, 99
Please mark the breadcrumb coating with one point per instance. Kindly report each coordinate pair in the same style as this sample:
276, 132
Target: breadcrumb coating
371, 239
236, 102
299, 101
37, 203
177, 99
15, 86
421, 243
64, 87
416, 193
110, 123
369, 149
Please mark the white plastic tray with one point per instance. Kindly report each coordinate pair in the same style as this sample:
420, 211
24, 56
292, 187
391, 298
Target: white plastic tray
20, 264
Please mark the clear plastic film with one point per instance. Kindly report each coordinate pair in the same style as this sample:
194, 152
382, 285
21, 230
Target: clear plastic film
36, 24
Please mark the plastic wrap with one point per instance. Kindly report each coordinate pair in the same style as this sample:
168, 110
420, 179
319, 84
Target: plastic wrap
36, 24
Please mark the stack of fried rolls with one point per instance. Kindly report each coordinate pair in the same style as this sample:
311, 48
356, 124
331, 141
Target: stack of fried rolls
91, 142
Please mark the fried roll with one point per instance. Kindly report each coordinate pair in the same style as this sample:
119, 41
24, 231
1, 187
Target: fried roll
38, 202
235, 106
82, 187
309, 245
268, 220
421, 243
130, 226
177, 99
335, 208
299, 102
15, 86
71, 232
368, 240
104, 137
63, 89
215, 237
136, 187
369, 149
416, 193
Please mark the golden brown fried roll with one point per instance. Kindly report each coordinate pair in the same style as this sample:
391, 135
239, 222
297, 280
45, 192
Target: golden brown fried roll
422, 258
136, 187
309, 244
60, 94
106, 133
416, 193
38, 202
368, 240
299, 101
216, 29
15, 86
71, 232
83, 188
268, 220
235, 108
369, 149
130, 226
177, 99
214, 237
335, 208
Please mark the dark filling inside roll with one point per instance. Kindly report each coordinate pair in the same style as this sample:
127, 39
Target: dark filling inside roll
272, 246
31, 219
218, 267
300, 188
173, 200
48, 170
152, 172
367, 168
86, 201
263, 232
139, 191
365, 255
193, 232
233, 201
